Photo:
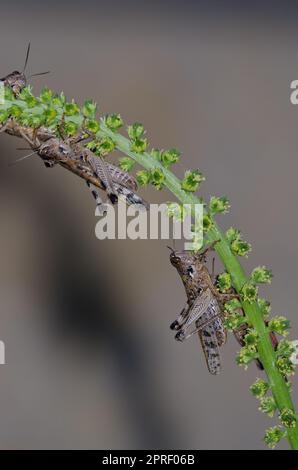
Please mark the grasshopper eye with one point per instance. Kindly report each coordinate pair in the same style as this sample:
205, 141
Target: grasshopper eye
190, 271
63, 150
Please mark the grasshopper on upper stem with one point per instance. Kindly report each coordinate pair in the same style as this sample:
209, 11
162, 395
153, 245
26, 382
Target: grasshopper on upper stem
70, 153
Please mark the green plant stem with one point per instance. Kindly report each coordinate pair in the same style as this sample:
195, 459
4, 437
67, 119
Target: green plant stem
266, 352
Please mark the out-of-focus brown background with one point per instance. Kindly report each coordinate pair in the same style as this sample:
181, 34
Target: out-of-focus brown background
91, 362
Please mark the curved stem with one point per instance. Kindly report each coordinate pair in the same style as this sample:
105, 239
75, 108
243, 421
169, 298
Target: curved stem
231, 263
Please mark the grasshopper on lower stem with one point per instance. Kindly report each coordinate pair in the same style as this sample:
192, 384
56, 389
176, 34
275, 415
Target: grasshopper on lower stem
203, 313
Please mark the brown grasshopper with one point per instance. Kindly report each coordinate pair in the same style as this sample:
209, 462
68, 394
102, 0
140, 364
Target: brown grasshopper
17, 80
71, 154
203, 313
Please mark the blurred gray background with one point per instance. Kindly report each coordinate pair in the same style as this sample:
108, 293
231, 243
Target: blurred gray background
91, 362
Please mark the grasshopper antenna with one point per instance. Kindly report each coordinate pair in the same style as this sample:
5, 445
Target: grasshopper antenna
23, 158
38, 74
170, 248
27, 57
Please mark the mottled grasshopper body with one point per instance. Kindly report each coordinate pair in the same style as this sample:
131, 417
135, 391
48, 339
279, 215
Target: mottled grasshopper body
203, 313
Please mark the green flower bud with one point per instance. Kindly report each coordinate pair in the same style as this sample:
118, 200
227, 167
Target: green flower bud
135, 131
126, 164
219, 205
273, 436
157, 178
232, 305
92, 126
89, 109
279, 324
224, 282
240, 247
176, 211
15, 111
249, 292
285, 366
192, 180
259, 388
59, 100
70, 128
46, 95
233, 234
71, 109
268, 406
284, 349
139, 145
50, 115
233, 321
261, 275
4, 115
288, 418
143, 177
264, 306
113, 121
207, 223
245, 356
169, 157
105, 146
251, 340
156, 153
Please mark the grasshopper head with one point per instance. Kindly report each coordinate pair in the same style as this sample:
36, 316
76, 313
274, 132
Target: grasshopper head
16, 81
